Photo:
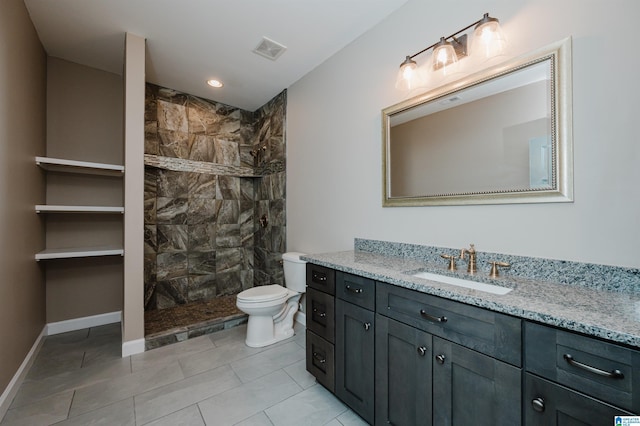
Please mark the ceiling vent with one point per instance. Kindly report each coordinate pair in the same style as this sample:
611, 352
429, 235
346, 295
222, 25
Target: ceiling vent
269, 49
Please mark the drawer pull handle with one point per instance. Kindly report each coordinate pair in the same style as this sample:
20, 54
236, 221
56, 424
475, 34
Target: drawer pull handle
354, 290
440, 359
318, 277
422, 350
319, 358
538, 404
320, 314
367, 326
431, 317
615, 374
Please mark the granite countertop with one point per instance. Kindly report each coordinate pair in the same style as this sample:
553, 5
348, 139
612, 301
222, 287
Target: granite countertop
611, 315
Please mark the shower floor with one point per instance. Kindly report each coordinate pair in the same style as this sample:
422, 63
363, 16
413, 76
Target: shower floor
182, 322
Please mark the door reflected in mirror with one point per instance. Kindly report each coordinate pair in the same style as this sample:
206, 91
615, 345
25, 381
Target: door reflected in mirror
500, 136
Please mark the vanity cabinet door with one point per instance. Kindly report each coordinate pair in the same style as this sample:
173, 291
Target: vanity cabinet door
547, 403
403, 374
355, 358
472, 388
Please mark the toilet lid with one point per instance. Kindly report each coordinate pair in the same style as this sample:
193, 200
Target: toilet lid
264, 293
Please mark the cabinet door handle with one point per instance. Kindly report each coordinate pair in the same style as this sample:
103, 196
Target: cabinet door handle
317, 277
440, 359
367, 326
320, 314
319, 358
422, 350
354, 290
431, 317
615, 374
538, 404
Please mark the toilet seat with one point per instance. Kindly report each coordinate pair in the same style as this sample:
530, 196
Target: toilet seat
265, 293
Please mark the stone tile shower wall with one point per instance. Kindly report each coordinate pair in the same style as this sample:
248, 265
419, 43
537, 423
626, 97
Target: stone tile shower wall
269, 243
211, 172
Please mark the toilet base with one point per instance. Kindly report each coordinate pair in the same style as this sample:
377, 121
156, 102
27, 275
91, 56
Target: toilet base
256, 340
265, 330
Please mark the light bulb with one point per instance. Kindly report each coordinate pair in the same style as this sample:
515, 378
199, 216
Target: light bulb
489, 39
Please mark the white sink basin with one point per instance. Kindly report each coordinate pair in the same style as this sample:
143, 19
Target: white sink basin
489, 288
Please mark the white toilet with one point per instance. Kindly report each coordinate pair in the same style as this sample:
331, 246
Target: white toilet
271, 307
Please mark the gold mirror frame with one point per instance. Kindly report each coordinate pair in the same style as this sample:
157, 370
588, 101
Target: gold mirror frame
561, 190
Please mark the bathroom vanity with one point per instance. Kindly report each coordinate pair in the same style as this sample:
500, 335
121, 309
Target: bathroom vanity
403, 350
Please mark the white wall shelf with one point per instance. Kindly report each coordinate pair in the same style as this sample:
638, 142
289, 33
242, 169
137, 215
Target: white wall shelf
87, 168
74, 252
74, 166
44, 208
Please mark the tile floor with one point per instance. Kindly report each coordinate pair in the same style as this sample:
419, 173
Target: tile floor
79, 378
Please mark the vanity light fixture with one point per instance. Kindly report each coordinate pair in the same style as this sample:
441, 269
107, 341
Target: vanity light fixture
215, 83
488, 40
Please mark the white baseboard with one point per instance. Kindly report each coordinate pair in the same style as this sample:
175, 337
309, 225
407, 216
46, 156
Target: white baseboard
132, 347
301, 318
12, 388
80, 323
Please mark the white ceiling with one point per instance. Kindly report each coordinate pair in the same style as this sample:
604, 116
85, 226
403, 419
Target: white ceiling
191, 41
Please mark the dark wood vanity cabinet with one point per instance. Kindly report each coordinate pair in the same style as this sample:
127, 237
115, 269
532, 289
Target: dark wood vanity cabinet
355, 331
320, 309
575, 379
401, 357
425, 378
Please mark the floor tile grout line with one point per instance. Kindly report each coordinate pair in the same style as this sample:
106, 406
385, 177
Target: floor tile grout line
200, 412
71, 404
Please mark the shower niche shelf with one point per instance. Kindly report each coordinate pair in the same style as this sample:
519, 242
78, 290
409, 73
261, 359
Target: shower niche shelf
64, 166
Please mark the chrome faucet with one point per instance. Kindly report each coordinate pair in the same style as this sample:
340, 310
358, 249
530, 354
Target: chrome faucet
471, 264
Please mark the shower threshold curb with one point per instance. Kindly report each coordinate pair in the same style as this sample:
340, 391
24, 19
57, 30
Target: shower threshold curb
180, 334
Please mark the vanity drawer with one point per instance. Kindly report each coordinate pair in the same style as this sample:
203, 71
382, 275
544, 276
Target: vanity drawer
603, 370
321, 314
321, 360
357, 290
321, 278
547, 403
491, 333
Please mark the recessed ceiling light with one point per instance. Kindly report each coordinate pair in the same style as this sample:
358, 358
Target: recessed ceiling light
214, 83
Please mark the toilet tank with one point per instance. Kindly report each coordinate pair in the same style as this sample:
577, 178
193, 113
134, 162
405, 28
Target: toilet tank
295, 271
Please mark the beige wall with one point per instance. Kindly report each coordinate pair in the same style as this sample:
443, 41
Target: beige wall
22, 137
84, 122
334, 170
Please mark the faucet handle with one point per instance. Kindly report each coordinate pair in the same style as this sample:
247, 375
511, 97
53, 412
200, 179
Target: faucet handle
494, 268
452, 261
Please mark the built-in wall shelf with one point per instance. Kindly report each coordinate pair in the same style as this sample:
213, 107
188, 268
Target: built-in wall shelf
73, 252
74, 166
43, 208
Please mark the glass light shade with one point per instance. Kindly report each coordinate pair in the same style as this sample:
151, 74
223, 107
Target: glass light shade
444, 55
409, 76
488, 38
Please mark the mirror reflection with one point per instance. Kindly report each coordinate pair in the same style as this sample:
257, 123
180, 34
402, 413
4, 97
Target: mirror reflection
502, 137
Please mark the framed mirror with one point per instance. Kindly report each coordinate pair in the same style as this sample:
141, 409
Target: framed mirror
503, 135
